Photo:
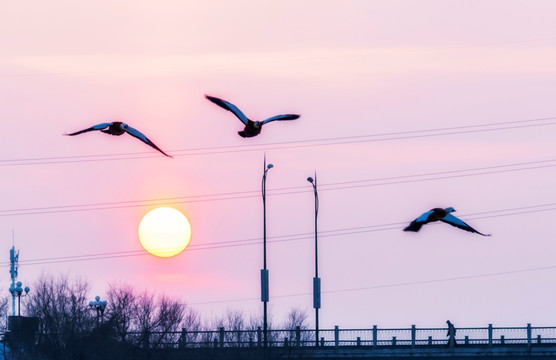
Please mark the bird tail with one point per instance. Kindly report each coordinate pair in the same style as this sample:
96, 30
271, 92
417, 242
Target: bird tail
414, 226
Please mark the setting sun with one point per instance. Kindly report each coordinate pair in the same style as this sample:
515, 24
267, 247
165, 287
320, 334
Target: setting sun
164, 232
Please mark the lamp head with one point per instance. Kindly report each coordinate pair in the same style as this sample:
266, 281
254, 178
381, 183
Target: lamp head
97, 298
310, 179
27, 289
269, 166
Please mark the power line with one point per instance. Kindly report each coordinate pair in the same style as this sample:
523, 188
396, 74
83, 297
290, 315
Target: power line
540, 164
210, 246
392, 285
285, 238
412, 134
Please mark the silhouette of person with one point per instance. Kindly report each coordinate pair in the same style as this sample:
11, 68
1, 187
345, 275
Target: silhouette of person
451, 334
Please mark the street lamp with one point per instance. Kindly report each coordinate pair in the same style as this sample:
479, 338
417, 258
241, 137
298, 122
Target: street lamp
316, 279
264, 270
18, 291
99, 306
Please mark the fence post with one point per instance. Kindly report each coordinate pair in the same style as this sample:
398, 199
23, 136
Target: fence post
322, 341
298, 336
489, 334
336, 336
221, 336
413, 335
259, 336
183, 338
375, 335
528, 335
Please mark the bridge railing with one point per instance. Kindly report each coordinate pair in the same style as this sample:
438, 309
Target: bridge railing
370, 337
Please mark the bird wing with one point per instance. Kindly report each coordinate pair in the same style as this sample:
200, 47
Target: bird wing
139, 135
92, 128
281, 118
424, 217
416, 224
454, 221
230, 107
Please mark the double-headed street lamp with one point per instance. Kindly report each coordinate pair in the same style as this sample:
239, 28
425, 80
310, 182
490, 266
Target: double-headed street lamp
316, 279
264, 270
17, 291
99, 306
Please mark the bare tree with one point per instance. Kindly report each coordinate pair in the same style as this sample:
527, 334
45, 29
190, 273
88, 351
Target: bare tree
143, 318
61, 306
147, 320
234, 323
3, 319
168, 321
190, 326
255, 326
191, 320
297, 325
296, 317
122, 301
208, 327
3, 314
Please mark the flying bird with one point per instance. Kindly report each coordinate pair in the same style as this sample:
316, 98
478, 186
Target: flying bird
443, 215
252, 128
118, 128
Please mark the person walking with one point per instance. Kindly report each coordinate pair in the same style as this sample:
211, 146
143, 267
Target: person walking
451, 334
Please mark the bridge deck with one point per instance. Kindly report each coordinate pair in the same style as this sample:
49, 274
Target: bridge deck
506, 351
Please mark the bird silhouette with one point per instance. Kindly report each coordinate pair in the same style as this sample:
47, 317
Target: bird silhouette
439, 214
118, 128
252, 128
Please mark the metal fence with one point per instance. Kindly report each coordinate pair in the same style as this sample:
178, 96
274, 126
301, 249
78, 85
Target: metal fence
371, 337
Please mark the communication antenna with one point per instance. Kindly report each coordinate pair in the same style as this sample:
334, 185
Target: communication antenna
14, 260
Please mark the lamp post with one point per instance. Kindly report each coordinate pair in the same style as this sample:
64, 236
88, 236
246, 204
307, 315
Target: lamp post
99, 306
316, 279
264, 270
17, 291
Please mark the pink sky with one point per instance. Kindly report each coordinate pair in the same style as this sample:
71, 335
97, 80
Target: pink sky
349, 68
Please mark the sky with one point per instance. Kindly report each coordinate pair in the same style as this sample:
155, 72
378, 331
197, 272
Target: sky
405, 106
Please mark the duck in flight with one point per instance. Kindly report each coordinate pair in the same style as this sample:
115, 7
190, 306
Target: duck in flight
252, 128
118, 128
439, 214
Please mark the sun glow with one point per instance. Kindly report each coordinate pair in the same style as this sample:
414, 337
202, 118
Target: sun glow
164, 232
